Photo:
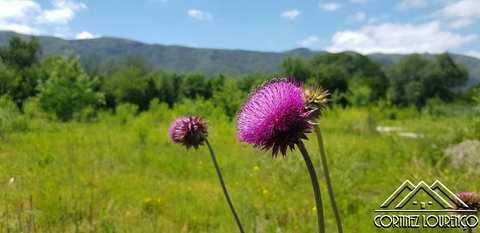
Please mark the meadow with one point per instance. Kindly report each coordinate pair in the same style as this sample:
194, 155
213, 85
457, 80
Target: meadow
121, 173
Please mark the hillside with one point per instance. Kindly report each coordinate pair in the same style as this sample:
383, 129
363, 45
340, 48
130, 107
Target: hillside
208, 61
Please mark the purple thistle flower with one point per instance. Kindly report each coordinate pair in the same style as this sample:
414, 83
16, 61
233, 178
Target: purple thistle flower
472, 200
273, 116
186, 131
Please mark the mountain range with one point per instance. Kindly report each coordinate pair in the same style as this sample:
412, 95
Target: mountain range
180, 59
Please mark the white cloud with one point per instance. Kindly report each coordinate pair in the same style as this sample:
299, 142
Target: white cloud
20, 28
309, 41
86, 35
360, 16
407, 4
69, 4
56, 16
359, 1
63, 12
473, 53
198, 14
398, 38
27, 16
460, 23
290, 14
462, 9
329, 6
17, 10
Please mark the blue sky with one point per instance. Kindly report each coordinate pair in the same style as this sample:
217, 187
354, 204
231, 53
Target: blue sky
365, 26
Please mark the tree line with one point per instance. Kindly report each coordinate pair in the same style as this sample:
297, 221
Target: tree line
64, 85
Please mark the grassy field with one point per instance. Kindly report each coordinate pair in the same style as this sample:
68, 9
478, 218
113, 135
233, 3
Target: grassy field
121, 173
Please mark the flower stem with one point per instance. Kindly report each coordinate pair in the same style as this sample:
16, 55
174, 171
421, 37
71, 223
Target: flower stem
230, 203
469, 229
316, 187
327, 178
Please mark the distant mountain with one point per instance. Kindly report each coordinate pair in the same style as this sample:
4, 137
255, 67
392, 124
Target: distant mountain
211, 62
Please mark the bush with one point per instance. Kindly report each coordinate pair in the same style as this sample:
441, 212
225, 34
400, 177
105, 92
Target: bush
126, 112
10, 118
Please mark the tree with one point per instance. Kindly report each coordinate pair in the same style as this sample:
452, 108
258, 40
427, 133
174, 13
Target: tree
216, 83
249, 82
405, 74
361, 73
68, 90
195, 85
333, 59
8, 80
358, 93
441, 77
332, 78
21, 75
414, 79
295, 67
472, 94
168, 85
20, 54
131, 82
229, 97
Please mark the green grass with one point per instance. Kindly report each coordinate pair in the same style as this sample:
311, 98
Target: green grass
123, 174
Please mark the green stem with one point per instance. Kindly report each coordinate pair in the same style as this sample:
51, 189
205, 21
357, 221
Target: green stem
237, 219
316, 187
327, 178
469, 230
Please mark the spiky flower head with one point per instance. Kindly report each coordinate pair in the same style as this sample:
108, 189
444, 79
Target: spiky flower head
186, 131
274, 116
472, 200
316, 101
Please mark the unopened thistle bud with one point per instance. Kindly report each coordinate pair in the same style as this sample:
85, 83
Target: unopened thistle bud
316, 101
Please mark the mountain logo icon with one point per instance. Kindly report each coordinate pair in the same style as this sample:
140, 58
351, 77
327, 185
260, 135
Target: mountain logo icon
440, 196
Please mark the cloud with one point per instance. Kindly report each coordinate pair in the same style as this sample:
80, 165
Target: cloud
18, 10
457, 14
460, 23
359, 1
28, 17
360, 16
63, 12
198, 14
329, 6
473, 53
290, 14
19, 28
398, 38
308, 42
462, 9
407, 4
86, 35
